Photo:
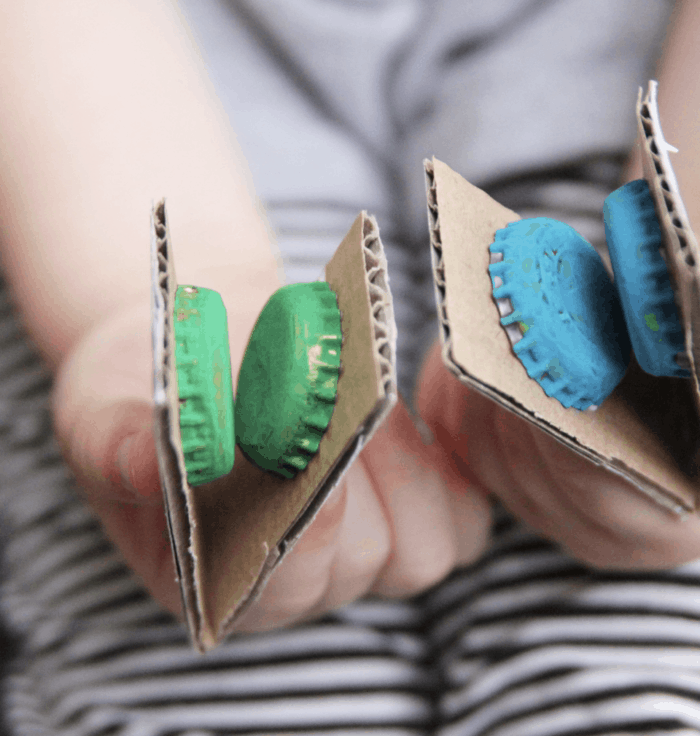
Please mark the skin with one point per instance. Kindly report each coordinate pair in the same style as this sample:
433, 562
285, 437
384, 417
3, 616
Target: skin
91, 136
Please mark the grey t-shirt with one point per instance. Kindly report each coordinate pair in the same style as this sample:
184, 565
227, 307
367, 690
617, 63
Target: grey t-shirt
335, 104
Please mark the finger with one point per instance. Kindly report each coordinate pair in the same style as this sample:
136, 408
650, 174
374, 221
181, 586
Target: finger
135, 463
103, 421
141, 535
420, 505
334, 562
128, 502
364, 542
459, 420
470, 508
424, 544
299, 582
618, 525
102, 409
111, 450
596, 515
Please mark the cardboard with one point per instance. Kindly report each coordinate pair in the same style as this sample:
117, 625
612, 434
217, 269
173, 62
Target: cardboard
680, 246
647, 431
229, 535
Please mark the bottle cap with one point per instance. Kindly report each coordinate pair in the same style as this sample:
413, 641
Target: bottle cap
574, 341
204, 384
288, 379
634, 241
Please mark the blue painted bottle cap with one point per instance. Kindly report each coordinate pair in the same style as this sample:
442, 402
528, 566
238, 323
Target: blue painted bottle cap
634, 240
574, 341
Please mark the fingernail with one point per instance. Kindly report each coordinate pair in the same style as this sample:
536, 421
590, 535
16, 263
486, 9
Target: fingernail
124, 465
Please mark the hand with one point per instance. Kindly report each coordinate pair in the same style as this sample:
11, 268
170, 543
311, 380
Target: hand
598, 517
104, 422
393, 527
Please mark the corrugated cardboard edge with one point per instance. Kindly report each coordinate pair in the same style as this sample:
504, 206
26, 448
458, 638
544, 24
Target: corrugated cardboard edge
660, 478
682, 254
358, 274
168, 443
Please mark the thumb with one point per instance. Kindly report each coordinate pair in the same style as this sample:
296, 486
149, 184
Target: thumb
103, 414
112, 452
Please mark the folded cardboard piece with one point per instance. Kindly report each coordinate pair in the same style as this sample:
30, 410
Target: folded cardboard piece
647, 431
227, 536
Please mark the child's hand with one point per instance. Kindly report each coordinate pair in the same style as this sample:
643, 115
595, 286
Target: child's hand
595, 515
391, 528
404, 517
104, 421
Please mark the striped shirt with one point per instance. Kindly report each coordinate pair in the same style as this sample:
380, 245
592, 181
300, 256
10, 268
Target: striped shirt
335, 103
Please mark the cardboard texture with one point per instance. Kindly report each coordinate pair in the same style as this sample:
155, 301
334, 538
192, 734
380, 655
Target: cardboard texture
680, 246
228, 536
647, 430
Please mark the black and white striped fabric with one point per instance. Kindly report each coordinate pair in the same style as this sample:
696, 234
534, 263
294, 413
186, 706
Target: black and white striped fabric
525, 643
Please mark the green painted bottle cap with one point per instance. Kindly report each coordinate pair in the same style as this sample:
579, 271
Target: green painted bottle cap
204, 384
289, 377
